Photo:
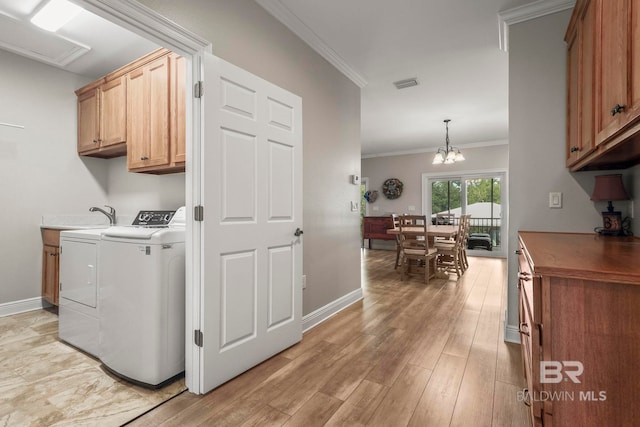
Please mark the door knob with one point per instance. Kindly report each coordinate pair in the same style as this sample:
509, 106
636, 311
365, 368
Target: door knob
298, 232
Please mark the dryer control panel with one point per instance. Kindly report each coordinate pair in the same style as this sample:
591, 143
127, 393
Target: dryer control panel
153, 218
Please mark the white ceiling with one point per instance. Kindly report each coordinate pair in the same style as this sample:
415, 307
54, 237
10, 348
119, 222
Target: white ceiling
450, 46
99, 46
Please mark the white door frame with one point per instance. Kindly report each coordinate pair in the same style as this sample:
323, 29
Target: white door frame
504, 192
149, 24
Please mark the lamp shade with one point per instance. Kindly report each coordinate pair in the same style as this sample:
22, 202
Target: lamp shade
609, 188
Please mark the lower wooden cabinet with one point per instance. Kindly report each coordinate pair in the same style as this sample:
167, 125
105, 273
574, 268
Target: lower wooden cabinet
579, 306
50, 265
375, 227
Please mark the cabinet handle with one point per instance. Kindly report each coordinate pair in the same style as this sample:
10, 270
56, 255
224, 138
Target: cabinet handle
144, 158
524, 276
524, 329
527, 397
574, 149
518, 252
617, 109
53, 254
95, 141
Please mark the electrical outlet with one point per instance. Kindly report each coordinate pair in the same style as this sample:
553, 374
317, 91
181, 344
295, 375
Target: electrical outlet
412, 208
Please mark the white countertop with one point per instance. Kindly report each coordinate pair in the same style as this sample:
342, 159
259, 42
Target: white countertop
81, 222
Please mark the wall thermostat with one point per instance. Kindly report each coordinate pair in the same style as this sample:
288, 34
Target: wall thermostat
355, 179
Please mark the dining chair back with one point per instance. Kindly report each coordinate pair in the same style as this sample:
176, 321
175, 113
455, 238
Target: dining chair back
414, 247
451, 256
395, 219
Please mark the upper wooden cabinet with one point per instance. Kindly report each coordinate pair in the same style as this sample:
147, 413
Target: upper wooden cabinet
102, 125
603, 85
156, 101
580, 56
137, 110
148, 118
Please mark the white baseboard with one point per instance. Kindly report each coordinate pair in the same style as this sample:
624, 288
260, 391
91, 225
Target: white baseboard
15, 307
323, 313
511, 333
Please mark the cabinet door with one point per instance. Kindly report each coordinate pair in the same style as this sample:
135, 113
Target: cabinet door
88, 121
178, 103
580, 78
50, 269
113, 112
634, 40
148, 115
612, 86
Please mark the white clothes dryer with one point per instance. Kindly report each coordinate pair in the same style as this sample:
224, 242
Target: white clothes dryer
142, 298
79, 311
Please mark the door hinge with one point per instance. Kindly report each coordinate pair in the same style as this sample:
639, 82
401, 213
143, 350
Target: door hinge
198, 89
198, 213
198, 337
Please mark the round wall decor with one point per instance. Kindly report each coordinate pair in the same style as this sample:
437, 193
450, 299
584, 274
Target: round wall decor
371, 196
392, 188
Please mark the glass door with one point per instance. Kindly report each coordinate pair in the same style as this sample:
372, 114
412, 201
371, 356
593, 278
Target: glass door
479, 195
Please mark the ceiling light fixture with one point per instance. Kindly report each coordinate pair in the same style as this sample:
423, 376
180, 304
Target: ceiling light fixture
447, 154
55, 14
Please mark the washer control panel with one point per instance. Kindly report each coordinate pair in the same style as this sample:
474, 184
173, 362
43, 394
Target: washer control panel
153, 218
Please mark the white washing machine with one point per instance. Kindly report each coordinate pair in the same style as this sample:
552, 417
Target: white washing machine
78, 312
142, 298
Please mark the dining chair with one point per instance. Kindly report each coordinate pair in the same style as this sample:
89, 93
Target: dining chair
450, 257
395, 219
414, 246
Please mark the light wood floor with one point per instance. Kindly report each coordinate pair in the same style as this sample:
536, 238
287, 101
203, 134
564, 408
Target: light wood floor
406, 355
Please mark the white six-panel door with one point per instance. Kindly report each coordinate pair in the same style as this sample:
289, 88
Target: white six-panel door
252, 196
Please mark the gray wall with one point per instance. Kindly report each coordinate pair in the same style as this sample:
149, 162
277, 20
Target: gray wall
537, 120
409, 168
42, 174
246, 35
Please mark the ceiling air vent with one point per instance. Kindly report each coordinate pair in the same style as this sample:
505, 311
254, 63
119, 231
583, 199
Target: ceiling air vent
403, 84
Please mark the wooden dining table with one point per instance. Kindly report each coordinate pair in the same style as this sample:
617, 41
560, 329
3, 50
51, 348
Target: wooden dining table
433, 231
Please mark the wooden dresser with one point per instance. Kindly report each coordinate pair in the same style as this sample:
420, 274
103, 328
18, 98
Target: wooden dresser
375, 227
579, 306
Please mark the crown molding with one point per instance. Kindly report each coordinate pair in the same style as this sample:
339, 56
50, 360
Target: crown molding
525, 13
140, 19
299, 28
470, 145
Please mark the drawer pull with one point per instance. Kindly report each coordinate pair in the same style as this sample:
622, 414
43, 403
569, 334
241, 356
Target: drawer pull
144, 158
524, 329
574, 149
527, 397
518, 252
524, 276
617, 109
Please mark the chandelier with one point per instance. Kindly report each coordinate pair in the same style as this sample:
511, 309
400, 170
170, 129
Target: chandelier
447, 154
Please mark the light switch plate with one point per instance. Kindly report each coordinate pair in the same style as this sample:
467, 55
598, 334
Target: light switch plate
555, 200
354, 206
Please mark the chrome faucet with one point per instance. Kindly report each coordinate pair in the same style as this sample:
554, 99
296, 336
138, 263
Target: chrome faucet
111, 214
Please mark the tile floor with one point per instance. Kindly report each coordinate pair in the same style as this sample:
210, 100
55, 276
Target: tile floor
45, 382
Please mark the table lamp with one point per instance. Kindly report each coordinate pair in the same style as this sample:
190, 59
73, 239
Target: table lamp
609, 188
